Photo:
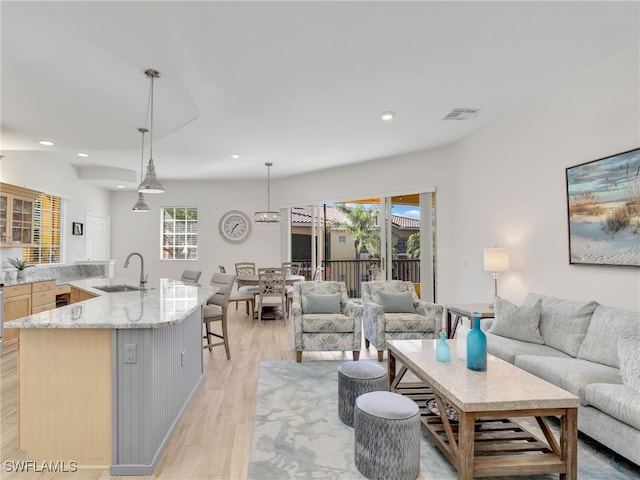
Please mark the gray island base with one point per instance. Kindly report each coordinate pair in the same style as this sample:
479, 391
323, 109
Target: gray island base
105, 382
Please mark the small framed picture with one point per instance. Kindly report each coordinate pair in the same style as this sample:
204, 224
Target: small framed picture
78, 228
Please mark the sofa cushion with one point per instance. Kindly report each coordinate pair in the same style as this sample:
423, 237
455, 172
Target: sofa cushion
507, 348
607, 325
571, 374
629, 356
319, 323
619, 401
321, 303
409, 322
396, 302
563, 323
517, 322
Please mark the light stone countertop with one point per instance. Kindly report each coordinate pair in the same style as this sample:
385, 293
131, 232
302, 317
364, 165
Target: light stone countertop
163, 303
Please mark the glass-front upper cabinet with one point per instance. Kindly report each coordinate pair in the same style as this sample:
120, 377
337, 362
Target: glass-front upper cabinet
16, 215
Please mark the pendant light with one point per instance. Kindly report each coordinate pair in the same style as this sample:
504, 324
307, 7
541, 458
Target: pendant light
141, 206
150, 183
268, 216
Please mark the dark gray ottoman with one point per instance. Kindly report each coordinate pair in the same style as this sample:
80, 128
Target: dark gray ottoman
354, 379
387, 436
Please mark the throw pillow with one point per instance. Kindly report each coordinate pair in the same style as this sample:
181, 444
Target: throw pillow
396, 302
520, 323
629, 358
563, 323
321, 303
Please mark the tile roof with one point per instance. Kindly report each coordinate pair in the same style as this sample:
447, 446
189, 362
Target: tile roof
303, 215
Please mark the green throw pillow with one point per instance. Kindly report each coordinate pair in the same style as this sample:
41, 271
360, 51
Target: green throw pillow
396, 302
321, 303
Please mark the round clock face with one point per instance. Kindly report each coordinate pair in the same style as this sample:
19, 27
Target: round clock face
235, 226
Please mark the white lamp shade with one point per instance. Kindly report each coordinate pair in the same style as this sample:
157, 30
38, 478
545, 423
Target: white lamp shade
496, 260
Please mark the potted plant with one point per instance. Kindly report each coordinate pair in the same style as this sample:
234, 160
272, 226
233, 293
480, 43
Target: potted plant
20, 265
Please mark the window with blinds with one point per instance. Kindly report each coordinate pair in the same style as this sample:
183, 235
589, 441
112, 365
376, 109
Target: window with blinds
47, 221
179, 233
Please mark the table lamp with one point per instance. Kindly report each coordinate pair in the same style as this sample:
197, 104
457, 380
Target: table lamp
496, 260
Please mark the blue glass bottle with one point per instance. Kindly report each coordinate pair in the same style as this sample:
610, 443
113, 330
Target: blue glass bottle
476, 346
443, 351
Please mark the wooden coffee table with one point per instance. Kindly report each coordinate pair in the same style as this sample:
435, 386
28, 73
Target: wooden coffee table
485, 441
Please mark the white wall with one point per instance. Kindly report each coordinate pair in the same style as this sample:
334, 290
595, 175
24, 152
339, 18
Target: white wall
140, 232
36, 170
511, 187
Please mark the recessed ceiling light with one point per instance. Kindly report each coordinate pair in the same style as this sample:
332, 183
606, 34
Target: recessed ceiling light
386, 116
120, 186
235, 155
48, 143
83, 155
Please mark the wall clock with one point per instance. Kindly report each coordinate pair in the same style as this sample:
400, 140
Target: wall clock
234, 226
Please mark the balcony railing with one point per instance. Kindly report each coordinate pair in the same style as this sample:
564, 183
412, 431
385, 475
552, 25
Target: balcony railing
353, 272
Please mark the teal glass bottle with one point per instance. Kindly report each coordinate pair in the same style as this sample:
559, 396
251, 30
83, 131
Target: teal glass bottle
476, 346
443, 351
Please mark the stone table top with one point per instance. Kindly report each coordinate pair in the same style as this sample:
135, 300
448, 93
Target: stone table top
502, 386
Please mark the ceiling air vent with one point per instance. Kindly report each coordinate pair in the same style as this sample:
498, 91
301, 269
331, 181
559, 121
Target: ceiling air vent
462, 114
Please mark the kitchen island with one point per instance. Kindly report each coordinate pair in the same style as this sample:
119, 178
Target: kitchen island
104, 382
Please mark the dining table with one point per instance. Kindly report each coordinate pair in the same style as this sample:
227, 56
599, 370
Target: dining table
253, 280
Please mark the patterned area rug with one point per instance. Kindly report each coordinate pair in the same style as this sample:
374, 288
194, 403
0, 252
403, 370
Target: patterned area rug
297, 433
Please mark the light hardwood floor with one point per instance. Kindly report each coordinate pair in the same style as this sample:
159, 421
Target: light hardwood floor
213, 438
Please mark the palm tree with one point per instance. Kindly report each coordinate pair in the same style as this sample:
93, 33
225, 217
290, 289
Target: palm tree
361, 224
413, 246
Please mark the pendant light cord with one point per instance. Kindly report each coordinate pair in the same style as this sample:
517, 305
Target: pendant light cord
151, 121
143, 131
268, 188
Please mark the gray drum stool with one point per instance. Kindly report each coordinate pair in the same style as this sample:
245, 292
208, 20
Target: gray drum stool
387, 436
354, 379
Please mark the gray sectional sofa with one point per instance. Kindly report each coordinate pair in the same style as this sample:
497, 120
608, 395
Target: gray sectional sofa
585, 348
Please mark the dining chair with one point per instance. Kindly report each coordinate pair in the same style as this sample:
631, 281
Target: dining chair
244, 269
245, 293
215, 310
290, 268
271, 291
191, 276
318, 274
375, 275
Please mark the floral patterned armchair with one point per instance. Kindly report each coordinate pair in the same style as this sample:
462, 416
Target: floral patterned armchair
393, 311
324, 319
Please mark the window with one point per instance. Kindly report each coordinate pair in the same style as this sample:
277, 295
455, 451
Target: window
47, 218
342, 239
179, 233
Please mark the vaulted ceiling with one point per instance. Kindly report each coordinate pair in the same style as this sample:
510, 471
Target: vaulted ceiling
300, 84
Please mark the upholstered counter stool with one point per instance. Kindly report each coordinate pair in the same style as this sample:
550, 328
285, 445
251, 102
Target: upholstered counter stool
354, 379
387, 436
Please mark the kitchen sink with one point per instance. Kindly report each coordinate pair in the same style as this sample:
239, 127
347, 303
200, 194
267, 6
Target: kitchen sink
117, 288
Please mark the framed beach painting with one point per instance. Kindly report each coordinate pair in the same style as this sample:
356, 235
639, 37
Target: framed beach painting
603, 200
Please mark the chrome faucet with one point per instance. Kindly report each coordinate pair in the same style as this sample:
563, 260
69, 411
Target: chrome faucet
143, 279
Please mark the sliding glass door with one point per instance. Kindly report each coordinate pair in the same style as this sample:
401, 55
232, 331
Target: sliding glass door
367, 239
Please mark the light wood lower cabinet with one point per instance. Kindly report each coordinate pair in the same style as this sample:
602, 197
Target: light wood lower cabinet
78, 295
43, 296
27, 299
17, 304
